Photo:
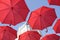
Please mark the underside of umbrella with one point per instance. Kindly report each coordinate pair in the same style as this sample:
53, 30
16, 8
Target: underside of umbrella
13, 11
42, 18
51, 37
54, 2
7, 33
57, 26
30, 35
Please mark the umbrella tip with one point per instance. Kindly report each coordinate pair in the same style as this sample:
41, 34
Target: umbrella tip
39, 15
12, 8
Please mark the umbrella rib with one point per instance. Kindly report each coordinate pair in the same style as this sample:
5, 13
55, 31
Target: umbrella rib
51, 37
5, 4
29, 36
14, 17
5, 17
4, 33
24, 4
4, 9
20, 15
35, 22
41, 23
56, 29
44, 19
33, 37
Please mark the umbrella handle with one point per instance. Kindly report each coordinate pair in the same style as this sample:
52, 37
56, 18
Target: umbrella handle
9, 24
46, 30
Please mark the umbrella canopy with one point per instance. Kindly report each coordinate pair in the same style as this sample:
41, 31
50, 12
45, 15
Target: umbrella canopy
51, 37
7, 33
54, 2
30, 35
13, 11
57, 26
42, 18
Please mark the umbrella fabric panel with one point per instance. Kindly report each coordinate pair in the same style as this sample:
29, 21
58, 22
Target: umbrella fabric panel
7, 28
8, 36
7, 33
51, 37
54, 2
57, 26
30, 35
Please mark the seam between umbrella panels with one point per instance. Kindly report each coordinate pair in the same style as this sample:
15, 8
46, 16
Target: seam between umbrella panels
13, 35
35, 21
5, 4
29, 36
4, 9
8, 35
3, 34
41, 22
31, 15
22, 2
51, 37
32, 36
57, 29
43, 18
11, 32
11, 2
14, 17
20, 15
5, 17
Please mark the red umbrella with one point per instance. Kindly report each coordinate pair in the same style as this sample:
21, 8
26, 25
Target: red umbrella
51, 37
57, 26
42, 18
30, 35
13, 11
54, 2
7, 33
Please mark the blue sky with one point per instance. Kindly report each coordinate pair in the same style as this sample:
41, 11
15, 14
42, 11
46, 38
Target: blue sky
34, 4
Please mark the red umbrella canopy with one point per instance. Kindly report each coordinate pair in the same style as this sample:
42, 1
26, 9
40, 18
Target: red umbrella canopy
42, 18
54, 2
57, 26
51, 37
7, 33
13, 11
30, 35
